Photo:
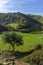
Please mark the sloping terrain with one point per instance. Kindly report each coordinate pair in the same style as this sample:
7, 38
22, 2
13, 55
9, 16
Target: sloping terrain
27, 23
18, 17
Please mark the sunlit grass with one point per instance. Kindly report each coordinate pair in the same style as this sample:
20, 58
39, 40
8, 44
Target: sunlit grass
13, 25
29, 41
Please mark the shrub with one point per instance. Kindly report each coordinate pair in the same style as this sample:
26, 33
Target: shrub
36, 58
38, 46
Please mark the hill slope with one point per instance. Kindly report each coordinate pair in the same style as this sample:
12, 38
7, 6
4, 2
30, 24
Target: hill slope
27, 22
18, 17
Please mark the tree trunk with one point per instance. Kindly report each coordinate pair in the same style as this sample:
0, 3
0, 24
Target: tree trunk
13, 49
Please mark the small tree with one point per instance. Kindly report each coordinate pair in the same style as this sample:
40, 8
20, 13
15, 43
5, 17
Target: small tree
12, 39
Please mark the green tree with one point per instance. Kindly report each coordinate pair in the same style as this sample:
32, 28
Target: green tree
12, 39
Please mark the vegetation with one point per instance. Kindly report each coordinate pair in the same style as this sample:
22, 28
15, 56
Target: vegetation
12, 39
37, 17
29, 41
27, 23
18, 17
13, 25
4, 28
35, 57
16, 26
38, 46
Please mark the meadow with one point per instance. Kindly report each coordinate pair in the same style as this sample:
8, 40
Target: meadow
29, 42
13, 25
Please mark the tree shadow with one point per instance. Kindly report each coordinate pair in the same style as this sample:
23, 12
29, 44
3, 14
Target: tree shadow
20, 55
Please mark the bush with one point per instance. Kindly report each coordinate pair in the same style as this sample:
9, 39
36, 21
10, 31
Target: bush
36, 58
38, 47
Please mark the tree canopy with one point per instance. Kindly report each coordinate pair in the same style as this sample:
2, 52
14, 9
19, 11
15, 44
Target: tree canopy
12, 39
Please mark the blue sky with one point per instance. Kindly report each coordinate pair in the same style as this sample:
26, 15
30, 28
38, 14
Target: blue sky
24, 6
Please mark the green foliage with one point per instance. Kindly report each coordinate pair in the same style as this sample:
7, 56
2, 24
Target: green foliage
27, 23
18, 17
4, 28
12, 39
37, 17
14, 25
29, 41
12, 17
38, 46
30, 25
35, 58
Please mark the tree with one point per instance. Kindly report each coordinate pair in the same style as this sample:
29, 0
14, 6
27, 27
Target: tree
12, 39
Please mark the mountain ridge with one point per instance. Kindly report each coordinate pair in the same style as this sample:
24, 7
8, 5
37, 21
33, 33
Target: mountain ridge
26, 22
13, 17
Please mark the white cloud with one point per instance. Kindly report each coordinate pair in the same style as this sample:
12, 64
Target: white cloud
18, 5
3, 4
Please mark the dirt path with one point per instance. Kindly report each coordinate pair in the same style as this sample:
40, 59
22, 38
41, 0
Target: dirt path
21, 63
16, 63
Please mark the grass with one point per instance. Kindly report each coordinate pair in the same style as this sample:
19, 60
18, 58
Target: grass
13, 25
29, 41
2, 45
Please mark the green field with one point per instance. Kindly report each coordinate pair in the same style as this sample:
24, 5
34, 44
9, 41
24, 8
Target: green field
13, 25
29, 41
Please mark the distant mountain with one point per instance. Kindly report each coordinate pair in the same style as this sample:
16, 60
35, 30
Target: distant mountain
18, 17
26, 21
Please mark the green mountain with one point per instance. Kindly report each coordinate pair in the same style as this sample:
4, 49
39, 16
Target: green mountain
26, 22
18, 17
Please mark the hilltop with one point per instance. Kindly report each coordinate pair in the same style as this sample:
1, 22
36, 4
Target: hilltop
18, 17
